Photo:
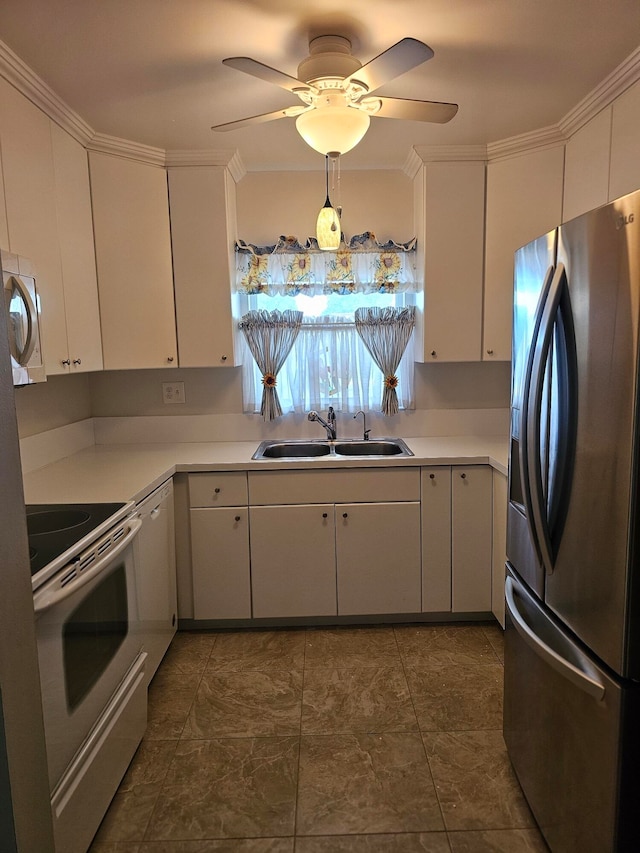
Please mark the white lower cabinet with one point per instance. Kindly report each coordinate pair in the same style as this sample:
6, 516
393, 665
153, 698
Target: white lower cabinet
293, 563
295, 544
471, 520
219, 520
436, 539
378, 558
220, 560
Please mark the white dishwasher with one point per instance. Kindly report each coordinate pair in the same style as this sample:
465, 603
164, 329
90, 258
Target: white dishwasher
155, 573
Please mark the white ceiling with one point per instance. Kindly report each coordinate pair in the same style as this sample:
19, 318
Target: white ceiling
150, 70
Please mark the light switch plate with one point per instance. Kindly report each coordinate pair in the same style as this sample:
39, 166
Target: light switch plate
173, 392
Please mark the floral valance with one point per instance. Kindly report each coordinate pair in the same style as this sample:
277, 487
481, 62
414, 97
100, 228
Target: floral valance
360, 266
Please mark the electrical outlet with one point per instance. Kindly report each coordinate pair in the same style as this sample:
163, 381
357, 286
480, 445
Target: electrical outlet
173, 392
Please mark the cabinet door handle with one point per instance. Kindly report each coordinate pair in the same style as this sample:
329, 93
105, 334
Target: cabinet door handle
325, 514
66, 361
77, 361
489, 352
237, 518
463, 476
224, 358
345, 515
434, 353
170, 358
217, 491
432, 476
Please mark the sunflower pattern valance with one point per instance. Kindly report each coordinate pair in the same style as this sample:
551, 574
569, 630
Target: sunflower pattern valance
360, 266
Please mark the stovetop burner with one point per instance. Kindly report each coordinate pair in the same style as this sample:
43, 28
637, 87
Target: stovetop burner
54, 528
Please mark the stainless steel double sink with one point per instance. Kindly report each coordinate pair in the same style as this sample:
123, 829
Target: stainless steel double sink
311, 449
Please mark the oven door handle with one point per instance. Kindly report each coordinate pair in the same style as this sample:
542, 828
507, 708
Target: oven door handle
49, 596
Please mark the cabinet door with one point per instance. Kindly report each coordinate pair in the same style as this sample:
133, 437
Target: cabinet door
586, 166
471, 539
203, 239
524, 200
378, 558
77, 253
220, 563
293, 562
27, 162
453, 261
436, 539
133, 259
624, 176
499, 549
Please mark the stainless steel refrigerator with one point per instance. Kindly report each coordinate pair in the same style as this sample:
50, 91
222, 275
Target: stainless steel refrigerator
572, 640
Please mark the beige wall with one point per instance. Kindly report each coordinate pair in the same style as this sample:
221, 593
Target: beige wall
218, 391
271, 204
58, 401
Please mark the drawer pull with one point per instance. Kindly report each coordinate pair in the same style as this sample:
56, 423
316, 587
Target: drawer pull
432, 476
237, 518
325, 514
463, 476
217, 490
345, 515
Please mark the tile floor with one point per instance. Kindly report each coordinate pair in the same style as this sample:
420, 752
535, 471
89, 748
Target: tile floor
341, 740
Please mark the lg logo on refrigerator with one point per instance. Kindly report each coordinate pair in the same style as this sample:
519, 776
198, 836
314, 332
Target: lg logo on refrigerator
623, 220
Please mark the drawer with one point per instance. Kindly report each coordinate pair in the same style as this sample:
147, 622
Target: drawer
347, 485
228, 488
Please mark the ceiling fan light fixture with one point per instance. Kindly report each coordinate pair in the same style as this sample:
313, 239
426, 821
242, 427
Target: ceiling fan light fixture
333, 128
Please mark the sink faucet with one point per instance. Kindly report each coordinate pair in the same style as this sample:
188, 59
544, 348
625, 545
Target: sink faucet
329, 424
365, 433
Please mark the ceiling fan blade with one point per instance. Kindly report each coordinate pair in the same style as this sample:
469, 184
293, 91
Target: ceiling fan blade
400, 57
244, 122
265, 72
403, 108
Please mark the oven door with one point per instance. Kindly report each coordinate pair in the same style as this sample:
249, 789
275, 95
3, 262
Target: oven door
88, 639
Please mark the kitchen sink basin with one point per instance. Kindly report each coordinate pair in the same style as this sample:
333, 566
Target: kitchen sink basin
335, 449
386, 447
292, 449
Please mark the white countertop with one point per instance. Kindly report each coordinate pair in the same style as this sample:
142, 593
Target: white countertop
119, 472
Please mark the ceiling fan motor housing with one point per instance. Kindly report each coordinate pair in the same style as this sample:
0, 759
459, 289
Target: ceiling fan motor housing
330, 57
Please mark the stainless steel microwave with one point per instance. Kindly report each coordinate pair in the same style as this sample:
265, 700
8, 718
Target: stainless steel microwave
23, 315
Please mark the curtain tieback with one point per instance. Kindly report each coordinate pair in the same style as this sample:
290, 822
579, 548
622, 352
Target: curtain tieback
391, 381
269, 380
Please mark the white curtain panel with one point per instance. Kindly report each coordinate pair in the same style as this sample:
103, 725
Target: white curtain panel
329, 365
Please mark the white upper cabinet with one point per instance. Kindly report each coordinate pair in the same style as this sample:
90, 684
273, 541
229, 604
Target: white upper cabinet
75, 235
625, 138
32, 231
450, 222
524, 200
203, 235
587, 154
133, 258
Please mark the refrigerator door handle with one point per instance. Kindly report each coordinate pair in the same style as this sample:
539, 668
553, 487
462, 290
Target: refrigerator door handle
526, 438
585, 679
533, 407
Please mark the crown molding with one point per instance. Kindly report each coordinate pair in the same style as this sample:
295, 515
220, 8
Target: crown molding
227, 158
104, 144
27, 82
620, 79
525, 143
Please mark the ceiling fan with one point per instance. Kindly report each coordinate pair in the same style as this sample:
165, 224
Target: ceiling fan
336, 92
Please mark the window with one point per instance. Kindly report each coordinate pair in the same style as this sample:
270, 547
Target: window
329, 364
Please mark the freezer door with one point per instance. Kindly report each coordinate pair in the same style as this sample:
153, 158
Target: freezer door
592, 588
563, 726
